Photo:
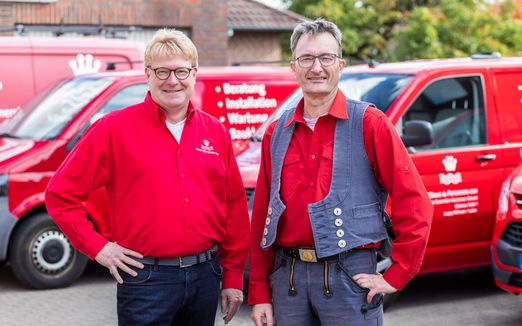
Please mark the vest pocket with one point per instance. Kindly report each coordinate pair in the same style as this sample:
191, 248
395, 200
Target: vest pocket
367, 219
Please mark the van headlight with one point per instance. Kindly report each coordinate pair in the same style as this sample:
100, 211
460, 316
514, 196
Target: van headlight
503, 200
3, 185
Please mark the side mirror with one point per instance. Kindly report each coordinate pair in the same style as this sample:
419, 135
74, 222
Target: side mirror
417, 133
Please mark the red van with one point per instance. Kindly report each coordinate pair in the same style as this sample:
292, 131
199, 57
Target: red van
30, 64
506, 246
461, 121
37, 139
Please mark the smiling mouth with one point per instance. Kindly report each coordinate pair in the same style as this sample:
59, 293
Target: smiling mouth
172, 90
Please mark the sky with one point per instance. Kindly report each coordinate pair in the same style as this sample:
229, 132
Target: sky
273, 3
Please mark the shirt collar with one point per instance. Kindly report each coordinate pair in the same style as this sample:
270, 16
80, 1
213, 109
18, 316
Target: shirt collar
337, 110
160, 114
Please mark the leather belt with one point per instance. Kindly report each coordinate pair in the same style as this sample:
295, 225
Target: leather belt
307, 255
182, 262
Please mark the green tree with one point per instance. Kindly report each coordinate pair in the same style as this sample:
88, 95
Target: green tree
416, 29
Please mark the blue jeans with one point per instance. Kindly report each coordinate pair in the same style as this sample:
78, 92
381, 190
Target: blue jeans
324, 294
169, 295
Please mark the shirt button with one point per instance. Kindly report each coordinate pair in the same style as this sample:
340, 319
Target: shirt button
337, 211
339, 233
338, 222
341, 243
183, 175
267, 220
265, 231
269, 210
263, 242
186, 200
313, 156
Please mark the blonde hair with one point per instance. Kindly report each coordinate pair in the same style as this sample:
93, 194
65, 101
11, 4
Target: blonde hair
167, 43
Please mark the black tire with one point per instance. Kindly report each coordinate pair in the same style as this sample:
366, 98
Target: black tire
382, 265
41, 257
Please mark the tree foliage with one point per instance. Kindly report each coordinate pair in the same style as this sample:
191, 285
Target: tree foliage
418, 29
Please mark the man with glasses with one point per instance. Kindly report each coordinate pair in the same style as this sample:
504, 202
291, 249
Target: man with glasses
178, 210
318, 216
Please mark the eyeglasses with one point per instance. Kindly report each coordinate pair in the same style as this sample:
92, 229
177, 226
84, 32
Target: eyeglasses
326, 59
164, 73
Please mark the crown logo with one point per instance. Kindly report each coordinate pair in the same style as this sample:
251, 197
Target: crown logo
206, 142
450, 163
84, 64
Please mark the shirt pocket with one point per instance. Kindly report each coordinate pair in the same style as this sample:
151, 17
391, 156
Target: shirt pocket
326, 169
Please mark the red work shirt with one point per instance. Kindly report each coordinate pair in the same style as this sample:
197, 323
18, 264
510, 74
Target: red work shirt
165, 199
306, 178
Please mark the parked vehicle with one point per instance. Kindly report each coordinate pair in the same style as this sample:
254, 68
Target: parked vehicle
37, 139
506, 246
30, 64
461, 121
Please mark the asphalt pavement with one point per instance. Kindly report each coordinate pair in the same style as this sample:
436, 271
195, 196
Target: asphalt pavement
447, 299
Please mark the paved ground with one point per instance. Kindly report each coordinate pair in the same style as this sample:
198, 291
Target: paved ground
462, 298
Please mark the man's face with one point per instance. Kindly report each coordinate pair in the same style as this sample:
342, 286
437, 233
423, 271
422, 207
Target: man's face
172, 94
317, 79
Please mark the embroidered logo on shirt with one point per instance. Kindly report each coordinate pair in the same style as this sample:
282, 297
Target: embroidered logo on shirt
205, 147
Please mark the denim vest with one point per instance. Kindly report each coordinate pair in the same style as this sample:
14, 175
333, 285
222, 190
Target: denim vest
352, 214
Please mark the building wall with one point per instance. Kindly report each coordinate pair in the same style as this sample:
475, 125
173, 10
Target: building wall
253, 47
205, 20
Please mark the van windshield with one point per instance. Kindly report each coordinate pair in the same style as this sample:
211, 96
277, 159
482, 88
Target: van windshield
379, 89
45, 119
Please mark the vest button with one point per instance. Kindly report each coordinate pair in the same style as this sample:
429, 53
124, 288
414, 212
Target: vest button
269, 210
341, 243
339, 233
337, 211
263, 242
267, 221
338, 222
265, 231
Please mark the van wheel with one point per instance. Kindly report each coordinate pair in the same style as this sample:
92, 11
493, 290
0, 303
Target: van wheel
382, 265
42, 257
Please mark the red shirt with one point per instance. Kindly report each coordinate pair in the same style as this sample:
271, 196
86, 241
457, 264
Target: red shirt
165, 199
306, 178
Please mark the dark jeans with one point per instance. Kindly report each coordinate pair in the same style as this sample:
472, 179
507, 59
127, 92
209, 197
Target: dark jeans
168, 295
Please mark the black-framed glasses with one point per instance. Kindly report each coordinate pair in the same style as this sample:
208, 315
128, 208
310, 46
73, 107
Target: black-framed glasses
163, 73
325, 59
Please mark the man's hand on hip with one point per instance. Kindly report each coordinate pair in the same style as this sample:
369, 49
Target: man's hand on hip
375, 283
262, 314
114, 256
231, 300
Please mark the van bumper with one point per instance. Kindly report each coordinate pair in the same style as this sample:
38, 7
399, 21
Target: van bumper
7, 224
508, 255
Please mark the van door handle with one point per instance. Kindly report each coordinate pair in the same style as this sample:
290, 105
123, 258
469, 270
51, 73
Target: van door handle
486, 157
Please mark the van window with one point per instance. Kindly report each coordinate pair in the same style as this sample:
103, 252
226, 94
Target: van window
127, 96
46, 119
455, 109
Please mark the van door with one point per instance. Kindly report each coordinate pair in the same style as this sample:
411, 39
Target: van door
459, 170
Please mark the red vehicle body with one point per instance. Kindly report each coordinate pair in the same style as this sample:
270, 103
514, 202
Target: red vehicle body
37, 139
461, 121
30, 64
506, 246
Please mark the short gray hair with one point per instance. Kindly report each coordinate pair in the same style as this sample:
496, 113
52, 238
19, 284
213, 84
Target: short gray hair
320, 25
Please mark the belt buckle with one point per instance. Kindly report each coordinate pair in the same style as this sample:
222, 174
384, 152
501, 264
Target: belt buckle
307, 255
182, 265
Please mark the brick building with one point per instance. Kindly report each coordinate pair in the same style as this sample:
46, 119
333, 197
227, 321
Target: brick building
224, 31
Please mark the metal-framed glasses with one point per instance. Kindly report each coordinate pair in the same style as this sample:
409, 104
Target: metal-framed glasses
325, 59
163, 73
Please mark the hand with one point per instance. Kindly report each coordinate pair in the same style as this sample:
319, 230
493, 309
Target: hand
231, 300
114, 256
375, 283
262, 314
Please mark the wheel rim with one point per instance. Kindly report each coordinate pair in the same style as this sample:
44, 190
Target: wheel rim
51, 252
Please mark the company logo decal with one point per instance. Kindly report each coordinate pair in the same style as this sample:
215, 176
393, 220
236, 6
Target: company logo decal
205, 147
450, 165
84, 64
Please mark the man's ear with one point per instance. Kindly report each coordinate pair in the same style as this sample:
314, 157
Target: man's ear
342, 64
147, 72
292, 65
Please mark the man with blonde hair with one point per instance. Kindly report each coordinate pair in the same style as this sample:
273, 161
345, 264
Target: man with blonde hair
179, 216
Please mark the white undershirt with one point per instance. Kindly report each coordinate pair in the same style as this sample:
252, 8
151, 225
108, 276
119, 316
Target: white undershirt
312, 121
176, 128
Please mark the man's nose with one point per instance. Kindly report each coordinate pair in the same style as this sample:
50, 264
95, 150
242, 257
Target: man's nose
316, 65
172, 78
